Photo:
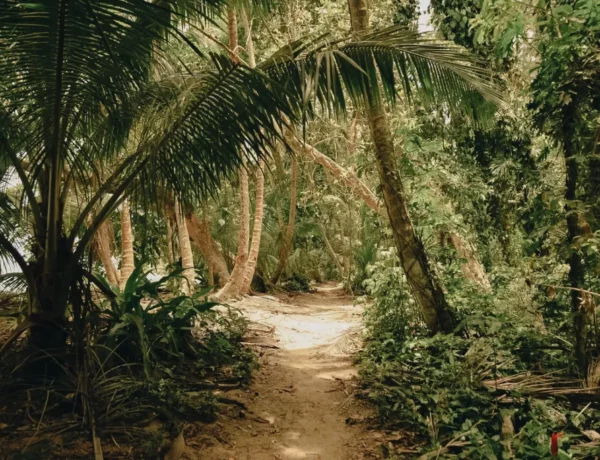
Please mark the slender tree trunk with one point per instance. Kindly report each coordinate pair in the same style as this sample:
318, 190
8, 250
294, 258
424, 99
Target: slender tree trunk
102, 245
330, 250
352, 135
127, 256
422, 280
260, 180
199, 232
170, 252
234, 285
288, 236
185, 248
576, 266
249, 42
256, 230
233, 34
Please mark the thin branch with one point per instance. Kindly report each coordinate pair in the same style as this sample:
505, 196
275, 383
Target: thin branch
567, 288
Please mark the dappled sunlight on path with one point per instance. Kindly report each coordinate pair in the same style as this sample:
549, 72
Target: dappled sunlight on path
301, 397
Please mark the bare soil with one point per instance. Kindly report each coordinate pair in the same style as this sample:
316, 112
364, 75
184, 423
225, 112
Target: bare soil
301, 404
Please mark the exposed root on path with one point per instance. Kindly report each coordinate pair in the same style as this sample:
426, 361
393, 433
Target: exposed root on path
301, 404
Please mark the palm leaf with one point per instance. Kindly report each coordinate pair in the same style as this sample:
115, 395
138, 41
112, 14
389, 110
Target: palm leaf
325, 72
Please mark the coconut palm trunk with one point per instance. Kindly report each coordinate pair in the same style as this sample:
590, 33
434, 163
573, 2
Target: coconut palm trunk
423, 283
259, 200
127, 256
234, 285
102, 245
288, 235
256, 231
185, 248
199, 232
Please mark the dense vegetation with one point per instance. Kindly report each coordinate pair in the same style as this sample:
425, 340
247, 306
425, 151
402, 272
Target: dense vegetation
160, 158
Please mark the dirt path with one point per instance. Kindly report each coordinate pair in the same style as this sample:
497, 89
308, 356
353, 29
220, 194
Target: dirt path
300, 405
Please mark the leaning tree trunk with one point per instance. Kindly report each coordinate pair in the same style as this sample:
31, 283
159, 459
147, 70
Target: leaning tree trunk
288, 236
348, 178
127, 257
234, 285
420, 276
185, 248
256, 230
199, 231
471, 267
102, 245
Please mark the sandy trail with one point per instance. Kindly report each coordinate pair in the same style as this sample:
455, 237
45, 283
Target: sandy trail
301, 398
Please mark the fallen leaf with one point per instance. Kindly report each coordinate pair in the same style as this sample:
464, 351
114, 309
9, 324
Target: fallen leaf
592, 435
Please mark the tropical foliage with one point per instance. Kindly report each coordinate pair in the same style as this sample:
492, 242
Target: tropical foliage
160, 158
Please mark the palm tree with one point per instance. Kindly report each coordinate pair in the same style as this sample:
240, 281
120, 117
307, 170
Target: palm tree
185, 248
127, 255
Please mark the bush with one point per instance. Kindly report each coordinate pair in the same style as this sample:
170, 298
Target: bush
504, 369
296, 283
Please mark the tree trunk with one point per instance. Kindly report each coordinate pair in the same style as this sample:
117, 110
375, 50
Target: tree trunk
471, 267
260, 180
127, 257
185, 248
170, 252
576, 267
233, 34
199, 232
330, 250
422, 281
249, 42
102, 245
256, 230
352, 135
288, 236
233, 288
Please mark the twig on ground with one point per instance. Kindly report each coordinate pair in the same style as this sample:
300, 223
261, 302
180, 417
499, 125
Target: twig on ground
37, 430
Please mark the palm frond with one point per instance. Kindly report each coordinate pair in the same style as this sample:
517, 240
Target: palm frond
326, 72
13, 282
194, 132
68, 66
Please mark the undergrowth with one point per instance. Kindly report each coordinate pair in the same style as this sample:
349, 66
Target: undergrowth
497, 389
134, 371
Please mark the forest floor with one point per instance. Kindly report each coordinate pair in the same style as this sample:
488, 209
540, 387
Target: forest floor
301, 402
